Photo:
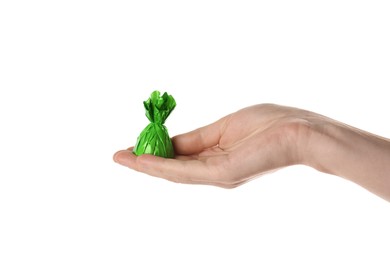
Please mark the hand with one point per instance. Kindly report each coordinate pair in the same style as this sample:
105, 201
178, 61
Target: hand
263, 138
231, 151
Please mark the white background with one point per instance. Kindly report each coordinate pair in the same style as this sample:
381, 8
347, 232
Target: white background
74, 74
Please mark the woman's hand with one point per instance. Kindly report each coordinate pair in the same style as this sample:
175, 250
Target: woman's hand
263, 138
230, 151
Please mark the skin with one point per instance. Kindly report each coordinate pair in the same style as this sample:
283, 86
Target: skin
266, 137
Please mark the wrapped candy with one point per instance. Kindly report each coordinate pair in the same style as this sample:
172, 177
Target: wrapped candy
154, 139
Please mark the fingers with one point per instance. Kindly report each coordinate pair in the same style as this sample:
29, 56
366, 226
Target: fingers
187, 171
190, 171
126, 158
199, 139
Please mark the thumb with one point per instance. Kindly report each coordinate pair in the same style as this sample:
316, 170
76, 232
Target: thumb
199, 139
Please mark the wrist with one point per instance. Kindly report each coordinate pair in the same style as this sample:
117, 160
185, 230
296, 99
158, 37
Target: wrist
350, 153
323, 144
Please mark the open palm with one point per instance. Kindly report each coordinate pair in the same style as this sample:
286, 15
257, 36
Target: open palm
231, 151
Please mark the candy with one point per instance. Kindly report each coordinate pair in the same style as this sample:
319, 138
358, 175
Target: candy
154, 139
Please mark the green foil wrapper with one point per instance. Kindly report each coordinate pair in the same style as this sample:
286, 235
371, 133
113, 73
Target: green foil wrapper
154, 139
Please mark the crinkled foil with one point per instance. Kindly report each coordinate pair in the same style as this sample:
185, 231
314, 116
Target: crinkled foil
154, 139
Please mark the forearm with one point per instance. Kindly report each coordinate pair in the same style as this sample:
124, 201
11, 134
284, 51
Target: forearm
353, 154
